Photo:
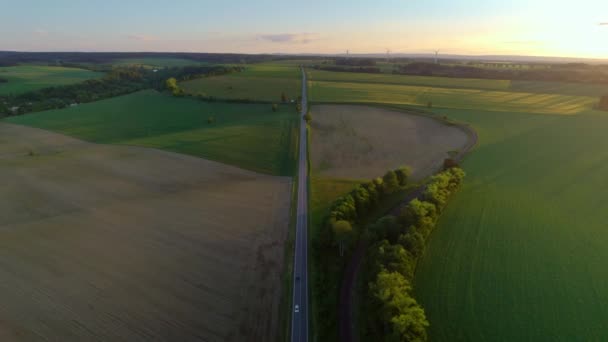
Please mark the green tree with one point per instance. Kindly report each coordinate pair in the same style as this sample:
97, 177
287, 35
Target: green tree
403, 174
390, 181
413, 241
362, 200
386, 227
393, 258
378, 183
344, 209
308, 117
343, 232
373, 193
398, 308
171, 84
421, 214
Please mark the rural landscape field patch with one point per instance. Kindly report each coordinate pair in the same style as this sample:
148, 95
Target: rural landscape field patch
350, 144
251, 136
518, 253
156, 62
353, 92
260, 82
360, 142
101, 242
429, 81
22, 79
521, 245
563, 88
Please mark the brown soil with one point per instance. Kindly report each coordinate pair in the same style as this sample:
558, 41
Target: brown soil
360, 142
129, 244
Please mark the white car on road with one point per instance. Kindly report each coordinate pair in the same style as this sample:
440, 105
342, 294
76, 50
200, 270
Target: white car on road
297, 309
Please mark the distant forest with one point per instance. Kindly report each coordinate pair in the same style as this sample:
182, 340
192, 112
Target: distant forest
9, 58
571, 72
119, 81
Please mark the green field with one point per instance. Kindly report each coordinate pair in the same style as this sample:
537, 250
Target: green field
563, 88
520, 252
326, 91
22, 79
248, 136
157, 62
262, 82
429, 81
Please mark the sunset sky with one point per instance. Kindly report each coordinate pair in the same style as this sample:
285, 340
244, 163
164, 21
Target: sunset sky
521, 27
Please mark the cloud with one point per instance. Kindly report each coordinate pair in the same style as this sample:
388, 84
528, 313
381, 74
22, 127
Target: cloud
142, 37
295, 38
604, 24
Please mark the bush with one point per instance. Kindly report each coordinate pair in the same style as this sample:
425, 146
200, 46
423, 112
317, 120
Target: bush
390, 181
398, 309
308, 117
403, 174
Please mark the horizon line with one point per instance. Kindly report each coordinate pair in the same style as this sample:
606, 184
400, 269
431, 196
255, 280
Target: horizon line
315, 54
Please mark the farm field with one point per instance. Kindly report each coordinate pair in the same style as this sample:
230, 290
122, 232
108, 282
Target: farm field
360, 142
157, 62
260, 82
251, 136
429, 81
103, 242
353, 92
22, 79
518, 254
350, 144
578, 89
563, 88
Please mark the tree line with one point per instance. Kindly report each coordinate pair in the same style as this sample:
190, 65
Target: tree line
363, 69
118, 81
336, 238
391, 312
578, 73
396, 243
12, 58
359, 62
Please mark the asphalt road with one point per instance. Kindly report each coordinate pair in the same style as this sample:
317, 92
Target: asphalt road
299, 310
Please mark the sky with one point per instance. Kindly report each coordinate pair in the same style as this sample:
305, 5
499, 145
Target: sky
564, 28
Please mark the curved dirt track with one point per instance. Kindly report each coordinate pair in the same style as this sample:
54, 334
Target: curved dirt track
120, 243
